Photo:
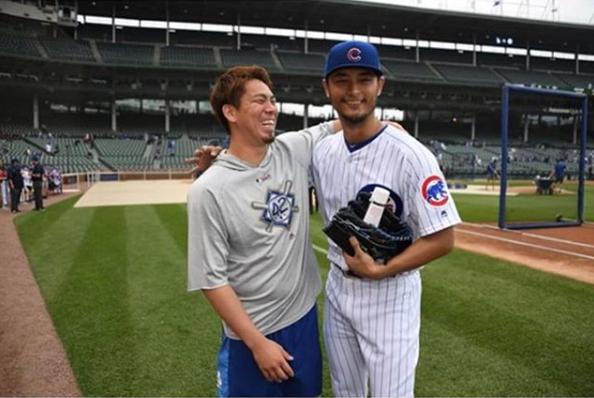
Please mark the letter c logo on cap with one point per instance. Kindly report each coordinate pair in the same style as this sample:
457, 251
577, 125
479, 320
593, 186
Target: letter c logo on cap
354, 54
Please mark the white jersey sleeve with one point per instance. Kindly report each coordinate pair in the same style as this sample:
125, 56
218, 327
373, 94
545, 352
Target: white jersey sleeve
431, 204
208, 245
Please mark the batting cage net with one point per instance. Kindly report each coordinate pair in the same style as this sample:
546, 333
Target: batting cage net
542, 160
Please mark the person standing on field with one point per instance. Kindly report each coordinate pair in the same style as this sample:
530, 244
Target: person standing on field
248, 244
372, 311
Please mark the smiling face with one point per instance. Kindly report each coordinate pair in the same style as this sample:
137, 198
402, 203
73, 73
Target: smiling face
255, 117
353, 93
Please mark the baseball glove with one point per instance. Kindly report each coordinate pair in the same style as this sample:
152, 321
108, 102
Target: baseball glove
387, 240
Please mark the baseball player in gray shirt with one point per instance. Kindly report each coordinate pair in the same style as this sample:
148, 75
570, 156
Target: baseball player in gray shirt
248, 244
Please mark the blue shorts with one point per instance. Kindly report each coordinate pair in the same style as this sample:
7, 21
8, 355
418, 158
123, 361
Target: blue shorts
239, 376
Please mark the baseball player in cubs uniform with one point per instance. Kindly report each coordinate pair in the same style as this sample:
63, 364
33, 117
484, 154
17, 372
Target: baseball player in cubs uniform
372, 311
248, 245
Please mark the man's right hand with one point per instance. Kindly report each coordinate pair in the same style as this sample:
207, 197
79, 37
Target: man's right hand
273, 360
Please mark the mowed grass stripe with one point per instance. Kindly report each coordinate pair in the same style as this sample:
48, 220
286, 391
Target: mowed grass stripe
174, 218
53, 237
171, 358
521, 323
92, 314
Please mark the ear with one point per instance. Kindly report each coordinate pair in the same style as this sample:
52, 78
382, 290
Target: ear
381, 83
230, 113
325, 85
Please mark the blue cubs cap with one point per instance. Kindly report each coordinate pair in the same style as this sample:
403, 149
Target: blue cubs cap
352, 54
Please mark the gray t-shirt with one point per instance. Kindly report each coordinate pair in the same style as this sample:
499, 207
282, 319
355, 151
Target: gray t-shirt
249, 228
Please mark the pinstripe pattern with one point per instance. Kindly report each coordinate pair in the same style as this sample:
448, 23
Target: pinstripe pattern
372, 328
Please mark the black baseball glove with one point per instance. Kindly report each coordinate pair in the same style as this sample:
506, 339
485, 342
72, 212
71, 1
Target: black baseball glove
387, 240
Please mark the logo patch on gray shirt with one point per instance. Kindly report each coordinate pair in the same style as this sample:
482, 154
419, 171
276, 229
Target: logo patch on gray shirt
279, 207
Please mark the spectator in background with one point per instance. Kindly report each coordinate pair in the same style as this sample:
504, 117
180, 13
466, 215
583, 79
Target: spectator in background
15, 182
492, 174
559, 174
27, 183
37, 176
54, 180
3, 185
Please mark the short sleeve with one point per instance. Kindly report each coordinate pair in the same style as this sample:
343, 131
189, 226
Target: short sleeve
208, 246
431, 203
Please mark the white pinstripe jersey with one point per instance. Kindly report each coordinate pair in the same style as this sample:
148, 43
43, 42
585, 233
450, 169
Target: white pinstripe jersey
394, 160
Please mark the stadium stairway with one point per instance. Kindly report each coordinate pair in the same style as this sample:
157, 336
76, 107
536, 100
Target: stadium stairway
41, 49
95, 51
276, 60
38, 148
217, 56
156, 55
148, 151
434, 70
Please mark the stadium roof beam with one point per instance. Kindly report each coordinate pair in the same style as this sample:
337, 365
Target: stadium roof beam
347, 16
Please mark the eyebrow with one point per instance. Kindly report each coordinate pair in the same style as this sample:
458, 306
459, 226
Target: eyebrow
265, 96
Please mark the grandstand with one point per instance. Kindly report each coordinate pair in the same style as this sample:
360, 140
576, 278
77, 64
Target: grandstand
122, 84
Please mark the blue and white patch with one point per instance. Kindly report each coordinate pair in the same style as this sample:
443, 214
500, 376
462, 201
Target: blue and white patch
279, 207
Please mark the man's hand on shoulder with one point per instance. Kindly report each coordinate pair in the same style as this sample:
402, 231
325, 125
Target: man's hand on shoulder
395, 125
204, 157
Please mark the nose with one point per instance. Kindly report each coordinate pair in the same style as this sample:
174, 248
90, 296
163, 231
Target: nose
270, 107
353, 88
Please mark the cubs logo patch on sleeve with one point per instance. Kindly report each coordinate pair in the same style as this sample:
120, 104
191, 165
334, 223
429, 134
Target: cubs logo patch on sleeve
434, 191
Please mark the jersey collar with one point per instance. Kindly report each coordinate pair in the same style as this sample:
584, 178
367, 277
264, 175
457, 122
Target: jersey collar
355, 147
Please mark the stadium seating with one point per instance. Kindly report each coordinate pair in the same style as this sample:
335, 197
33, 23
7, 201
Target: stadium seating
509, 61
410, 70
248, 57
546, 64
120, 147
18, 45
188, 56
530, 78
126, 54
466, 74
581, 81
70, 50
302, 63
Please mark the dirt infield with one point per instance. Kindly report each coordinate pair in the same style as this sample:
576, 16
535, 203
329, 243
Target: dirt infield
563, 251
32, 358
125, 193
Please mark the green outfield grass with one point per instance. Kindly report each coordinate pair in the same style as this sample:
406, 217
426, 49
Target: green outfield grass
114, 280
527, 207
